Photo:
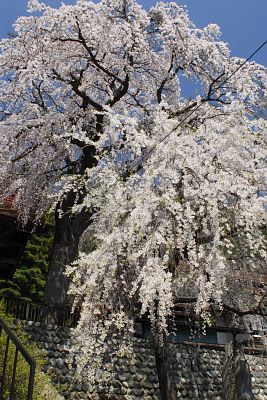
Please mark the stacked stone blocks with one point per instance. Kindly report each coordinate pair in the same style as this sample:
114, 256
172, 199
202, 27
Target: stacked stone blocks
196, 371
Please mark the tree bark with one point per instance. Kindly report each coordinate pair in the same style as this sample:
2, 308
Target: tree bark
68, 230
236, 377
167, 391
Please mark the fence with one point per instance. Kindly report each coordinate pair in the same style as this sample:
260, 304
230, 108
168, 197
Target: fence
8, 381
26, 310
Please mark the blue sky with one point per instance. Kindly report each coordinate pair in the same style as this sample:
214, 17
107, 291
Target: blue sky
243, 22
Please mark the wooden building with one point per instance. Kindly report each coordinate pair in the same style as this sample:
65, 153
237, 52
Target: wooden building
13, 240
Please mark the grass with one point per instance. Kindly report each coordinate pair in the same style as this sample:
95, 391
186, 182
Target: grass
43, 387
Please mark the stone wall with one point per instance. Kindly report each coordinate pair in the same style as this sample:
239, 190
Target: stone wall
258, 369
135, 377
196, 371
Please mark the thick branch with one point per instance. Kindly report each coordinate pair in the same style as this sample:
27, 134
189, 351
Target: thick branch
75, 84
255, 311
166, 79
94, 59
25, 153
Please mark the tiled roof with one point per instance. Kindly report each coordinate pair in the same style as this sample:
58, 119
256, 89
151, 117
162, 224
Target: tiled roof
6, 207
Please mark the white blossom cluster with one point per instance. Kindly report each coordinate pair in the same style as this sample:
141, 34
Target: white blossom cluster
196, 201
177, 180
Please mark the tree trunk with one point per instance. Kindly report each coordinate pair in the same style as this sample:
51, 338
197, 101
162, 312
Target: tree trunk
167, 391
236, 377
68, 230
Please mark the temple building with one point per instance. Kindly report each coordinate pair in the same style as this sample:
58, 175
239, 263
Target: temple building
13, 240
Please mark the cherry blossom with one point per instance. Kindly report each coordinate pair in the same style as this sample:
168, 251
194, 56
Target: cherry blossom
92, 103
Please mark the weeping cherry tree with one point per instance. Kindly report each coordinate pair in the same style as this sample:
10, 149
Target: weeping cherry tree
157, 188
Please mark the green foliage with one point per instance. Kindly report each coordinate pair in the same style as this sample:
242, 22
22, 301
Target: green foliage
9, 289
43, 388
264, 230
31, 282
30, 277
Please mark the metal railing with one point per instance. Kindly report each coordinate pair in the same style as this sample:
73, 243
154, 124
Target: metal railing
28, 311
8, 383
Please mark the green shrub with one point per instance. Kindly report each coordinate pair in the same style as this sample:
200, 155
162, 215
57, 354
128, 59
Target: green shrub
9, 289
31, 275
9, 292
